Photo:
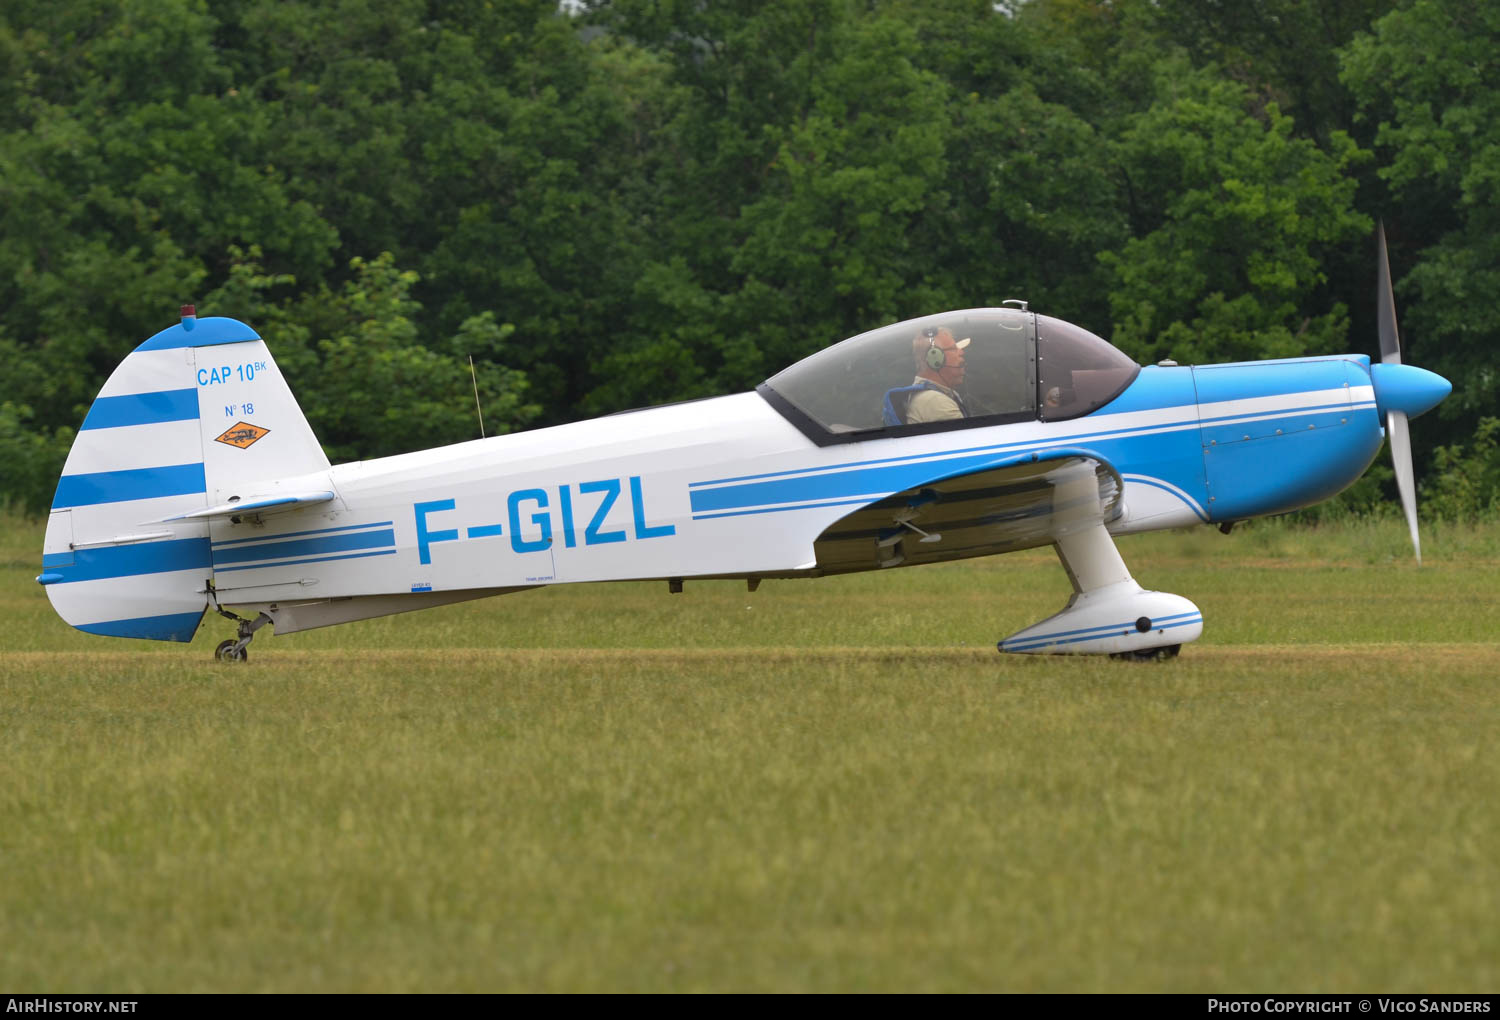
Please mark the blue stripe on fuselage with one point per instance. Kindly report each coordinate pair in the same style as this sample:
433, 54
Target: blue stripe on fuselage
832, 485
842, 481
1039, 444
128, 560
310, 559
299, 534
305, 547
1217, 432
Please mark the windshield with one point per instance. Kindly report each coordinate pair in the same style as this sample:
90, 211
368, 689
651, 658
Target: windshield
1077, 371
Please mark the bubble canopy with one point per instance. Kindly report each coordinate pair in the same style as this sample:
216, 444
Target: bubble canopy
1018, 366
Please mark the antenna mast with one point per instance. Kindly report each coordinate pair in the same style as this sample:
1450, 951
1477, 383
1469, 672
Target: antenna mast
475, 377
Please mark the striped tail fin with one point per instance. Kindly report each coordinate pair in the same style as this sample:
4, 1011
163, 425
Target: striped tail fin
197, 415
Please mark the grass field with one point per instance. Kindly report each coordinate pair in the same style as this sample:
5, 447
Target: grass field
825, 785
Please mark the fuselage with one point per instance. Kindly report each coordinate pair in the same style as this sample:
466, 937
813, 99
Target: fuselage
728, 487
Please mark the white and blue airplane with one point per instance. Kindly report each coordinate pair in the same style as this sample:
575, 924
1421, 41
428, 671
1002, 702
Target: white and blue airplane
196, 483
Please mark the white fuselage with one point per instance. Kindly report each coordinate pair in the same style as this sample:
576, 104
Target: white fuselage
706, 488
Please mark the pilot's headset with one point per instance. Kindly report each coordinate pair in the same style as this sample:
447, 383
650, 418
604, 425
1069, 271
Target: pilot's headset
936, 356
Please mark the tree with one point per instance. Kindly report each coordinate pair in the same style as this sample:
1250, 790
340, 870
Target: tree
1429, 76
127, 166
1231, 221
836, 166
1283, 50
354, 361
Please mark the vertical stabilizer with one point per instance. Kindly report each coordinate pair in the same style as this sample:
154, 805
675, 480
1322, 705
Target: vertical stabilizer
196, 410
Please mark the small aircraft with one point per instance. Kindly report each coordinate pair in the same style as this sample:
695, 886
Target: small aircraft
196, 483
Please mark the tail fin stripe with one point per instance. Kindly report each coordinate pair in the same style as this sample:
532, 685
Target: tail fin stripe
121, 486
142, 409
129, 560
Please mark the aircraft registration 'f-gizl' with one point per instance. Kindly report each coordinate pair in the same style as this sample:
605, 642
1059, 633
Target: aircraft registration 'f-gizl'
195, 482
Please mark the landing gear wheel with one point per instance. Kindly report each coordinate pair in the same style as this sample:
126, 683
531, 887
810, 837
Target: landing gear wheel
234, 649
1161, 654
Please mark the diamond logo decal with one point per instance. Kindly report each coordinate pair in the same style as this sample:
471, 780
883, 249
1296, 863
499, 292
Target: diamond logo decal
242, 435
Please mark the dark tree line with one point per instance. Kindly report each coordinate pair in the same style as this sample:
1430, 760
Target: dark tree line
633, 202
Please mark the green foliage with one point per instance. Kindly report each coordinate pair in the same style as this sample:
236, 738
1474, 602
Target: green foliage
1464, 484
352, 356
1461, 486
838, 167
1232, 216
31, 459
1429, 76
848, 222
1286, 50
128, 164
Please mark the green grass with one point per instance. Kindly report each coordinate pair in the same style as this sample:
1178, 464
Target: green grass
825, 785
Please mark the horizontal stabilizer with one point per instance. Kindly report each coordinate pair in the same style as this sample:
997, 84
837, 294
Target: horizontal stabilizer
256, 504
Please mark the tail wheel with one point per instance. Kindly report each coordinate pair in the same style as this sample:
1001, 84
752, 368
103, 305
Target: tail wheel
1162, 654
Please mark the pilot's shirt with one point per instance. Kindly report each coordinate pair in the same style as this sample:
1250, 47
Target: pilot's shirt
936, 403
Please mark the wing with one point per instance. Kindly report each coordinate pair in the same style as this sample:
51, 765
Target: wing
1020, 503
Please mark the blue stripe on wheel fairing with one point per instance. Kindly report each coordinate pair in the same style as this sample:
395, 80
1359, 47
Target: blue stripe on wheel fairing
1028, 646
1124, 628
142, 409
305, 547
122, 486
1106, 627
171, 627
128, 560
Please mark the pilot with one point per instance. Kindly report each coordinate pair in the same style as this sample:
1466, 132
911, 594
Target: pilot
940, 370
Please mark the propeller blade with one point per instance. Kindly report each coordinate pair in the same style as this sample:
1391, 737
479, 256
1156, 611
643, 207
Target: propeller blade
1385, 307
1396, 431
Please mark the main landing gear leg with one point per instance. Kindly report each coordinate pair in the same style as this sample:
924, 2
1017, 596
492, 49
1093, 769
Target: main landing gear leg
1109, 613
234, 650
